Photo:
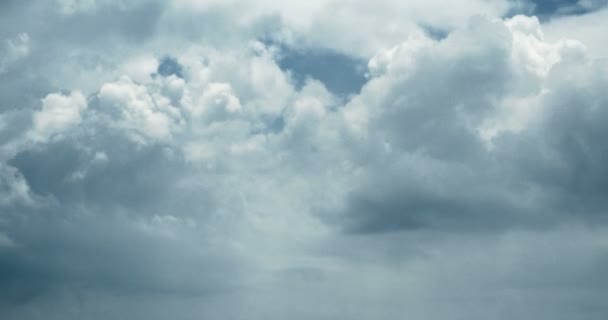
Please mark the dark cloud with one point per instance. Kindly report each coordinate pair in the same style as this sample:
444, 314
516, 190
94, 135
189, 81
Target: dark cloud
70, 174
65, 249
406, 209
548, 9
562, 153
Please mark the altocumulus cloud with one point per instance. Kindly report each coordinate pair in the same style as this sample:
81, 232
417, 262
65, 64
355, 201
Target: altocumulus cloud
328, 160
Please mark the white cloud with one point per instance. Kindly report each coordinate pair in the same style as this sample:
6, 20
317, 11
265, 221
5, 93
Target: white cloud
59, 113
588, 29
217, 102
138, 110
468, 172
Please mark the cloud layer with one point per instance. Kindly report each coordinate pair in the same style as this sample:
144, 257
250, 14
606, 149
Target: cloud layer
329, 160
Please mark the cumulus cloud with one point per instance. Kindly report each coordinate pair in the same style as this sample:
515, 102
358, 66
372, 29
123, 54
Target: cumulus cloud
165, 168
58, 113
137, 110
433, 103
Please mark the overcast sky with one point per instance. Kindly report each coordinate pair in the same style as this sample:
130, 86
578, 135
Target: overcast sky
321, 159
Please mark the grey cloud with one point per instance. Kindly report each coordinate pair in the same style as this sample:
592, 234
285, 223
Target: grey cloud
423, 193
67, 172
542, 176
108, 253
549, 9
562, 154
134, 21
209, 174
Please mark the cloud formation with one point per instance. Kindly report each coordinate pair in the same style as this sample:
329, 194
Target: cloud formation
335, 159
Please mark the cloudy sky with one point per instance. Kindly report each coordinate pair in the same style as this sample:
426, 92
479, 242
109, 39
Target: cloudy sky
321, 159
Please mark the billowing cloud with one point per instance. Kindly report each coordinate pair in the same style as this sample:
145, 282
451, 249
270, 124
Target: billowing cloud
440, 113
334, 159
58, 113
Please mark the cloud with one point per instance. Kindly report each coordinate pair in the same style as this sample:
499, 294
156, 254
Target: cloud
137, 109
58, 113
14, 50
229, 160
550, 9
587, 28
14, 187
428, 105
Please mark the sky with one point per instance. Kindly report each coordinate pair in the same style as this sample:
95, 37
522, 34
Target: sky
322, 159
